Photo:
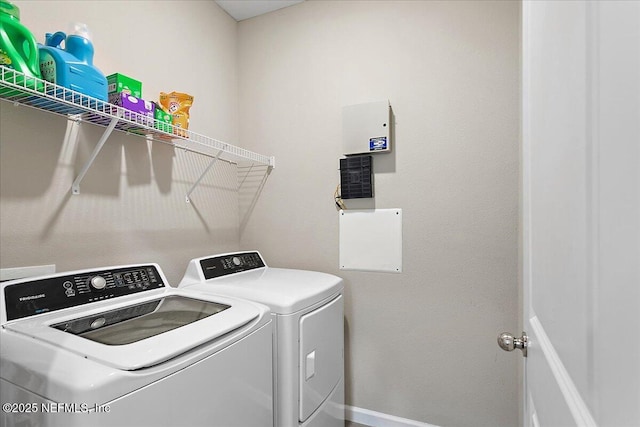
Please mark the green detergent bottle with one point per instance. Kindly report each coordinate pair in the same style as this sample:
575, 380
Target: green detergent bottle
18, 48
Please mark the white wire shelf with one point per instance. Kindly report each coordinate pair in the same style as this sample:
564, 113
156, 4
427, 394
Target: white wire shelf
21, 89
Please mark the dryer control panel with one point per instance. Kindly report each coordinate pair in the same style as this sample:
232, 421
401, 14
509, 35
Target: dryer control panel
223, 265
37, 296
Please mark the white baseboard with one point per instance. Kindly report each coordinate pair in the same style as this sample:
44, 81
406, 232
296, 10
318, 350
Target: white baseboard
378, 419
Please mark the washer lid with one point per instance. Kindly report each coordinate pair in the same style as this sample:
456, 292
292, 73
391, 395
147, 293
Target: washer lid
131, 336
285, 291
137, 322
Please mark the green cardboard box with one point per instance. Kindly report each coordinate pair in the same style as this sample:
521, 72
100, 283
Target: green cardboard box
163, 119
117, 83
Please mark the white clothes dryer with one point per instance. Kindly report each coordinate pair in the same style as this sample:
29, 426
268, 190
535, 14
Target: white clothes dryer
308, 312
117, 346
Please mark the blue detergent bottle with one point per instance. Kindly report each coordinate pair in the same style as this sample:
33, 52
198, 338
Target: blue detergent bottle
72, 67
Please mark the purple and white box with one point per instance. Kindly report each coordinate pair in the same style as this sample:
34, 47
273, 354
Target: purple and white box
144, 109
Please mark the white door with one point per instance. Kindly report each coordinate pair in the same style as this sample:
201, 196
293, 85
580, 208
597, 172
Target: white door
581, 212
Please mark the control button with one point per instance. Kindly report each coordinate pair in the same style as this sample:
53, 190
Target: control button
98, 322
98, 282
67, 285
70, 292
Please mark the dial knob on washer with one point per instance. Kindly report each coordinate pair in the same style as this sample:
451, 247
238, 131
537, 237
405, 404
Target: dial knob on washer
98, 282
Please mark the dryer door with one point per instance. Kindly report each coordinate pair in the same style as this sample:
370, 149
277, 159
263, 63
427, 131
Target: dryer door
321, 355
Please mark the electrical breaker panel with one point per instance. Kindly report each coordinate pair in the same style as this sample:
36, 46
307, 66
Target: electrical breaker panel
366, 128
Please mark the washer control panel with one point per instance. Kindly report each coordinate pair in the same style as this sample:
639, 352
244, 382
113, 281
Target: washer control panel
63, 291
223, 265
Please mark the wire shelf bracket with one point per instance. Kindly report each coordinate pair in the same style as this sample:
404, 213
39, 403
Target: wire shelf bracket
21, 89
195, 184
75, 187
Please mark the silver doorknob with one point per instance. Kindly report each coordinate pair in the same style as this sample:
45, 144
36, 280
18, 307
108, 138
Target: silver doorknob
508, 342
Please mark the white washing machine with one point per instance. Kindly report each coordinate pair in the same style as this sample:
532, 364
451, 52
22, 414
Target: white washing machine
308, 310
117, 346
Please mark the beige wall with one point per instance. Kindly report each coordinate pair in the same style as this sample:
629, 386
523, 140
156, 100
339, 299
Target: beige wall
131, 207
420, 344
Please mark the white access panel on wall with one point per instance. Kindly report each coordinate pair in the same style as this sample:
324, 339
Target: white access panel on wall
371, 240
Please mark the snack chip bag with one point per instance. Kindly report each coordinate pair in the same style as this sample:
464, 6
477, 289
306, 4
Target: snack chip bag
177, 104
